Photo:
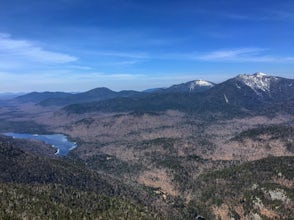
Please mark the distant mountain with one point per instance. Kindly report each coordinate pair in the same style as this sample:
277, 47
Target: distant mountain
244, 94
36, 97
153, 90
189, 87
6, 96
96, 94
62, 98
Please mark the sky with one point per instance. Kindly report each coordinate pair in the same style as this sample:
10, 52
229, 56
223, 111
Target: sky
77, 45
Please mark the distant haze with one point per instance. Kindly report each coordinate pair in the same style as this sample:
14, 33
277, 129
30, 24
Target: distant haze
5, 96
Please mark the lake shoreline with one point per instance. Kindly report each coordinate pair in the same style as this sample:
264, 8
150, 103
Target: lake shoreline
59, 141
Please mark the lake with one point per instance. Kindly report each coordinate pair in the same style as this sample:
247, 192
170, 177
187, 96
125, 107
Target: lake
58, 141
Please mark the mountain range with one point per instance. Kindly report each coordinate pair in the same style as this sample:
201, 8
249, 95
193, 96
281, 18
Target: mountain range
243, 94
99, 94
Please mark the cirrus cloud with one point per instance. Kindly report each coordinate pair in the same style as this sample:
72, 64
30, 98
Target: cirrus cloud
243, 55
25, 51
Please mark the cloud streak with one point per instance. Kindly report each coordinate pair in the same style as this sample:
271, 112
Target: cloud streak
24, 50
243, 55
122, 54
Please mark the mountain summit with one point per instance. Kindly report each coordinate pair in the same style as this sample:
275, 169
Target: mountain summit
258, 82
189, 87
265, 86
197, 84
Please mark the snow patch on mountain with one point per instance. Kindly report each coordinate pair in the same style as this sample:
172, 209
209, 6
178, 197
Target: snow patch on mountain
226, 98
238, 86
258, 82
200, 83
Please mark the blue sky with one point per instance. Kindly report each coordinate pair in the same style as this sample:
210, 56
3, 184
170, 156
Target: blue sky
76, 45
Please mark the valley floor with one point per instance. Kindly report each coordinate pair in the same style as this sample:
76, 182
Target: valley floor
219, 168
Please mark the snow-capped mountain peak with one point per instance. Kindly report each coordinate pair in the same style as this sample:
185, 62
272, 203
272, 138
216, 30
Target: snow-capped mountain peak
200, 83
259, 82
194, 86
259, 74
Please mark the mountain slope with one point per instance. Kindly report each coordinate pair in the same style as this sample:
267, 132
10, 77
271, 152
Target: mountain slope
21, 167
261, 189
21, 172
253, 92
52, 201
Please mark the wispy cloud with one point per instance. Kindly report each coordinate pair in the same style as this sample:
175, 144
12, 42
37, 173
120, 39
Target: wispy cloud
243, 55
122, 54
27, 51
119, 63
238, 17
79, 67
281, 15
229, 54
261, 15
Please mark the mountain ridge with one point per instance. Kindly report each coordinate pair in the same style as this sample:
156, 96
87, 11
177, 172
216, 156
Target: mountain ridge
232, 95
243, 94
62, 98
